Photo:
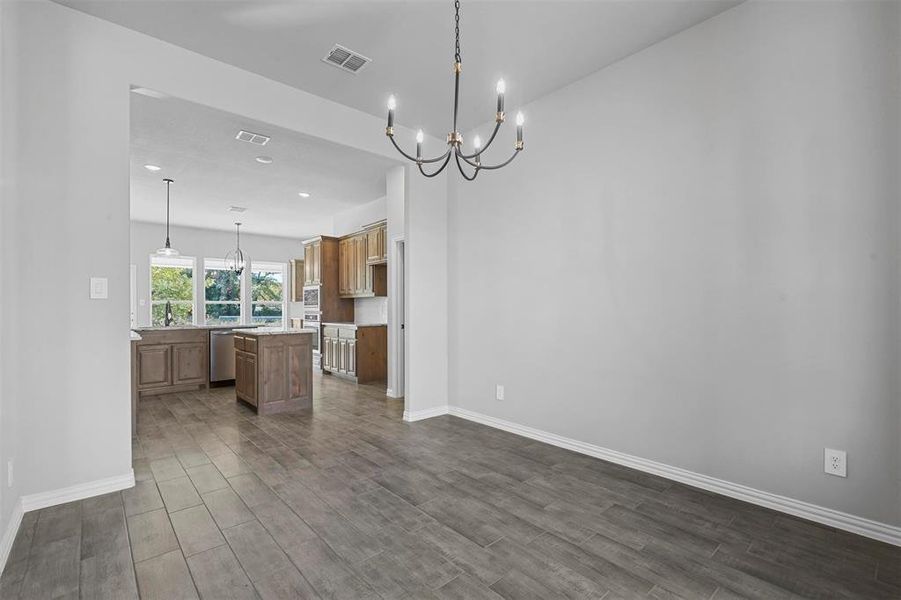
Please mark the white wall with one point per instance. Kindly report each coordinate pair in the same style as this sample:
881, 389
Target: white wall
426, 293
205, 243
9, 322
72, 222
695, 260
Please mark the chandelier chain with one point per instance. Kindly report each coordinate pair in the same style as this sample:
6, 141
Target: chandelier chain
457, 31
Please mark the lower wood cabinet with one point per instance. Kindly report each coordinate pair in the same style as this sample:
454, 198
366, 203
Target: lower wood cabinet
274, 372
168, 361
355, 352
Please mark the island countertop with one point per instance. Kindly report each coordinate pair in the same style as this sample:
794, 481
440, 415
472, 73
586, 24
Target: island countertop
260, 331
190, 327
355, 325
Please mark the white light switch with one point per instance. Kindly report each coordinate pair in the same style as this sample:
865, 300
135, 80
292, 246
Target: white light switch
99, 288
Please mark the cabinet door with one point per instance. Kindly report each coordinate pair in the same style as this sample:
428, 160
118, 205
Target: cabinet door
239, 373
342, 356
154, 366
190, 363
308, 264
317, 258
326, 354
383, 241
250, 378
351, 350
374, 251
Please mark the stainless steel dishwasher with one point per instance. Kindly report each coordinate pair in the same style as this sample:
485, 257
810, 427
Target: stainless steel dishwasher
222, 356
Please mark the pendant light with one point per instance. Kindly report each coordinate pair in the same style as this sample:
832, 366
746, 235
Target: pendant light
234, 261
167, 250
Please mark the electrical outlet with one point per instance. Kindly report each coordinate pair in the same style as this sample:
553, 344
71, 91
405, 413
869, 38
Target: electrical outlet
9, 473
499, 392
836, 462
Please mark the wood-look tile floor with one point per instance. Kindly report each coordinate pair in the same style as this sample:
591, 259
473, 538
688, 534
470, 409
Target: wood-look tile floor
347, 501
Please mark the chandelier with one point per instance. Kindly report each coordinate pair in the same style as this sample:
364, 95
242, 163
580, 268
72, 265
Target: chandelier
234, 261
454, 139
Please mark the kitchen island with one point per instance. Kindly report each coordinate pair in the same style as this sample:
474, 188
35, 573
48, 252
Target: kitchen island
274, 368
170, 359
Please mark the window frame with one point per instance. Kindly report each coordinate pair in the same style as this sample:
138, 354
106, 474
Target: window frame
177, 262
268, 266
220, 265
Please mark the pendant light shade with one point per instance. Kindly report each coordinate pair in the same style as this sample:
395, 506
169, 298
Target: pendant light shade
167, 250
234, 261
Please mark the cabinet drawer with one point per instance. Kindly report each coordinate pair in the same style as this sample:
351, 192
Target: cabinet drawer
239, 342
331, 332
347, 334
250, 345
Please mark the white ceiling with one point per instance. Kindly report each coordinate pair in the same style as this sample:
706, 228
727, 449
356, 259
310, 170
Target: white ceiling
536, 46
195, 145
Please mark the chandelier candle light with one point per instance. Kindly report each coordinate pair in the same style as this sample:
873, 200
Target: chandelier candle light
454, 139
167, 250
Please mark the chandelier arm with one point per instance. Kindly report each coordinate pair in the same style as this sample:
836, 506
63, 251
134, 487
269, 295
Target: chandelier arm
492, 167
462, 172
441, 168
413, 159
485, 147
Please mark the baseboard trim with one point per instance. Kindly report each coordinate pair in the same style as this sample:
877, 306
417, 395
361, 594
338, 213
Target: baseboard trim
428, 413
9, 536
812, 512
78, 492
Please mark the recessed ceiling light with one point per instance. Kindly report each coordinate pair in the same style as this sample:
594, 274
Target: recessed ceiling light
153, 168
303, 194
264, 159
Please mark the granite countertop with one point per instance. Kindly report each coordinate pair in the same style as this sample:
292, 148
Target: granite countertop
183, 327
135, 337
274, 331
356, 325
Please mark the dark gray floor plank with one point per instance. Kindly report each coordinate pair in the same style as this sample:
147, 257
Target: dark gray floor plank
217, 574
52, 569
143, 497
165, 577
206, 478
195, 529
256, 550
179, 494
151, 534
227, 508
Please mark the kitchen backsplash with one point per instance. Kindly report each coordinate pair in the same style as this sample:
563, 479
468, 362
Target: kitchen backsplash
371, 310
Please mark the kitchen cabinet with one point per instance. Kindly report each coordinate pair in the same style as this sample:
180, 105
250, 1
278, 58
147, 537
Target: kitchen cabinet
171, 360
312, 262
355, 352
358, 278
298, 278
377, 243
274, 370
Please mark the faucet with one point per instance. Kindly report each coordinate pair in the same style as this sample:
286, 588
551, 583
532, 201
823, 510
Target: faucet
170, 318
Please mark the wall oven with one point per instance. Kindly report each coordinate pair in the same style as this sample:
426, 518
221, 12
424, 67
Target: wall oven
312, 320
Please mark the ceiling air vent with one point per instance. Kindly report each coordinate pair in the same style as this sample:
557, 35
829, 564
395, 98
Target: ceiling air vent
254, 138
236, 209
346, 59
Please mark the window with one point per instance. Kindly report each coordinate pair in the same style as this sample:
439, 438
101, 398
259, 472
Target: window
171, 280
222, 293
267, 293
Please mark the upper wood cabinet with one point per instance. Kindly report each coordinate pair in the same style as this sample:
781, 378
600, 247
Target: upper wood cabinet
362, 259
312, 263
376, 243
298, 278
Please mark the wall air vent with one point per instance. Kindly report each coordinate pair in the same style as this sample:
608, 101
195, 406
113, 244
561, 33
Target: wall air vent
346, 59
254, 138
236, 209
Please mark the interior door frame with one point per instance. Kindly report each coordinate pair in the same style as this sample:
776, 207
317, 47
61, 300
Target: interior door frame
397, 356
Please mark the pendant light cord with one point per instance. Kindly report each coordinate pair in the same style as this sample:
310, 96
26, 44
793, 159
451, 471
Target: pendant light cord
168, 182
457, 31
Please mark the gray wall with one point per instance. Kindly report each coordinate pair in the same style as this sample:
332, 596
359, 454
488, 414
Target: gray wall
695, 260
